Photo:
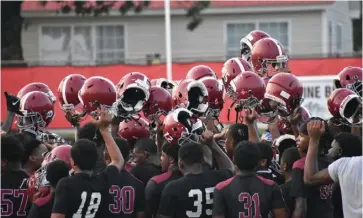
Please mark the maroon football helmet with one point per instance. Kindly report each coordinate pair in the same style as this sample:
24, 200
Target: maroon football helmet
284, 92
267, 57
179, 127
158, 104
134, 129
192, 95
216, 94
97, 91
248, 90
200, 71
351, 78
37, 86
346, 107
164, 83
68, 92
133, 90
249, 40
38, 181
231, 69
37, 109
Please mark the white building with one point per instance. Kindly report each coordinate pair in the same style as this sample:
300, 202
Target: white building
305, 28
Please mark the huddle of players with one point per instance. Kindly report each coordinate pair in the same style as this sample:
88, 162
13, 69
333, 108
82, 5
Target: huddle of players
190, 185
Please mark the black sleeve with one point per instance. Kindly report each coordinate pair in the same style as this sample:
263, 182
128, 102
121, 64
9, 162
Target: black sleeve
34, 212
61, 200
140, 198
297, 183
277, 199
152, 197
110, 175
135, 172
169, 201
224, 174
219, 207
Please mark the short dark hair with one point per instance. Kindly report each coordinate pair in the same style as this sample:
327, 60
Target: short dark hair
325, 140
238, 132
191, 153
146, 144
265, 152
29, 147
289, 157
350, 144
124, 147
91, 132
12, 149
171, 150
56, 170
84, 154
247, 156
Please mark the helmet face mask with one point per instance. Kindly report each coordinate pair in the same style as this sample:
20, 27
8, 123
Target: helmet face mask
30, 120
192, 135
272, 66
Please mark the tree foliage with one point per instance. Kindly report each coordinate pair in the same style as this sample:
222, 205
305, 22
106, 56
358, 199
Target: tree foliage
12, 22
83, 8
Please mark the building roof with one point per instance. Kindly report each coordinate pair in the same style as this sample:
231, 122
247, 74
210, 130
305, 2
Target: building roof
31, 5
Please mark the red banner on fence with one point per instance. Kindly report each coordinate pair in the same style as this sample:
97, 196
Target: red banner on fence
13, 79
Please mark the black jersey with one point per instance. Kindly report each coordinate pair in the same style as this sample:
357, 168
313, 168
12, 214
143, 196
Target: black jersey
83, 195
191, 195
14, 194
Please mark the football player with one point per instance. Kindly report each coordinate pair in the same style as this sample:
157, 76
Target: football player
289, 156
81, 194
191, 195
156, 185
14, 195
42, 207
33, 158
310, 200
246, 194
147, 164
264, 169
127, 196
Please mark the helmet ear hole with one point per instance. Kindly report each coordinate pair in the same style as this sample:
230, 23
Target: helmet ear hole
351, 108
337, 84
347, 77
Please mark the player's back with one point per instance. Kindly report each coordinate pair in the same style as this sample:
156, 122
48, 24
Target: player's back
191, 195
126, 197
81, 196
246, 196
14, 194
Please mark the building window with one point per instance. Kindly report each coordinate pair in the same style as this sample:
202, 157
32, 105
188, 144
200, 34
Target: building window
277, 30
110, 44
82, 45
339, 38
235, 31
55, 45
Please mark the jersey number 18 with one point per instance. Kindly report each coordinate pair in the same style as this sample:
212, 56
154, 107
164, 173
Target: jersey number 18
93, 206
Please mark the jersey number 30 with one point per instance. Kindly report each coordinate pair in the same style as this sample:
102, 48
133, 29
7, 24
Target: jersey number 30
198, 200
93, 206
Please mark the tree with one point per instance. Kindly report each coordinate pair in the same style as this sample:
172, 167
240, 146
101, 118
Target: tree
12, 22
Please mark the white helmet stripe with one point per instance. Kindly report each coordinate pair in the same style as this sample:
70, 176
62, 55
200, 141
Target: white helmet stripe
278, 47
239, 64
23, 100
64, 85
